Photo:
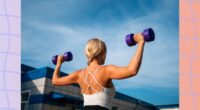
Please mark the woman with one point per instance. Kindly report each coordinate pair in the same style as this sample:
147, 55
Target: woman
96, 80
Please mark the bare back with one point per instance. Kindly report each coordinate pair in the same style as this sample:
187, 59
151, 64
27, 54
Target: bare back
94, 80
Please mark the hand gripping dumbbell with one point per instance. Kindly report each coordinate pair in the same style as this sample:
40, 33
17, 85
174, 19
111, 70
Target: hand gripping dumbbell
67, 57
147, 33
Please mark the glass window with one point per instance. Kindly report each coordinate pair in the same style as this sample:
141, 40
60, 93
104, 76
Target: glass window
23, 106
25, 100
25, 96
114, 108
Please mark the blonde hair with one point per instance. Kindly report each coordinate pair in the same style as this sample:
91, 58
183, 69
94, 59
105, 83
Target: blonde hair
96, 49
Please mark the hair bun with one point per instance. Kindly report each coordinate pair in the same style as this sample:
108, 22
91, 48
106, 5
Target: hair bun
95, 48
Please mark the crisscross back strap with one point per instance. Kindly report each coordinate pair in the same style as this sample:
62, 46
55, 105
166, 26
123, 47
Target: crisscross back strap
88, 83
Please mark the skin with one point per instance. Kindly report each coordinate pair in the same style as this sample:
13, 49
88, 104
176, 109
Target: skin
105, 74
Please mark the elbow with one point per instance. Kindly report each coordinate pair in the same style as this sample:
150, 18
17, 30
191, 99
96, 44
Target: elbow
133, 72
54, 83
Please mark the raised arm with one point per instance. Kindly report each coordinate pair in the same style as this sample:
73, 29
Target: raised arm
116, 72
66, 80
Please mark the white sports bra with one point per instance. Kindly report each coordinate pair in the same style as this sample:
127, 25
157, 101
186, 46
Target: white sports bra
102, 98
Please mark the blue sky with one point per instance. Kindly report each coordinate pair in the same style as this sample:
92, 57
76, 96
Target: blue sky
52, 27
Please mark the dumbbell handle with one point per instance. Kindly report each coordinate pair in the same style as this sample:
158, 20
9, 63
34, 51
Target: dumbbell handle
148, 35
67, 57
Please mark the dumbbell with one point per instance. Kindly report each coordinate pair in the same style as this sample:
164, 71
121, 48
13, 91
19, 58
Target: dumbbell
147, 33
67, 57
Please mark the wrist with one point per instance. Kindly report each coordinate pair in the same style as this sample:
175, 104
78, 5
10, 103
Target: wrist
141, 42
58, 64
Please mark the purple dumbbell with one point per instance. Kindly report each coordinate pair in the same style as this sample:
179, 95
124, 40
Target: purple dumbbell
67, 57
147, 33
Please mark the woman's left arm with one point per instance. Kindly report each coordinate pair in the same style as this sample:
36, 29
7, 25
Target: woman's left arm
66, 80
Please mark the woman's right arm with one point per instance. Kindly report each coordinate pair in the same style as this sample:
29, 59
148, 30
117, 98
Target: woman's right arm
116, 72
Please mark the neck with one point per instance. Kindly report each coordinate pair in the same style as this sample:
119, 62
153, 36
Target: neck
94, 63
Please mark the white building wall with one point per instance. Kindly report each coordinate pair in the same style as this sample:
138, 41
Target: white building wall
33, 84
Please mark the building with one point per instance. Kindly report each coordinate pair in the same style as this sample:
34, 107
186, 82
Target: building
39, 94
168, 107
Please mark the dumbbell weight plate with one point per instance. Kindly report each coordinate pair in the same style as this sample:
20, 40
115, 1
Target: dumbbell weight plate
129, 40
68, 56
54, 59
148, 35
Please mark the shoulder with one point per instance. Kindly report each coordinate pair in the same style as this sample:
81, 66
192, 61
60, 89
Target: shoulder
109, 68
78, 71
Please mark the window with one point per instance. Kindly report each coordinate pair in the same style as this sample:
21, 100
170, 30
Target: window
114, 108
25, 100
